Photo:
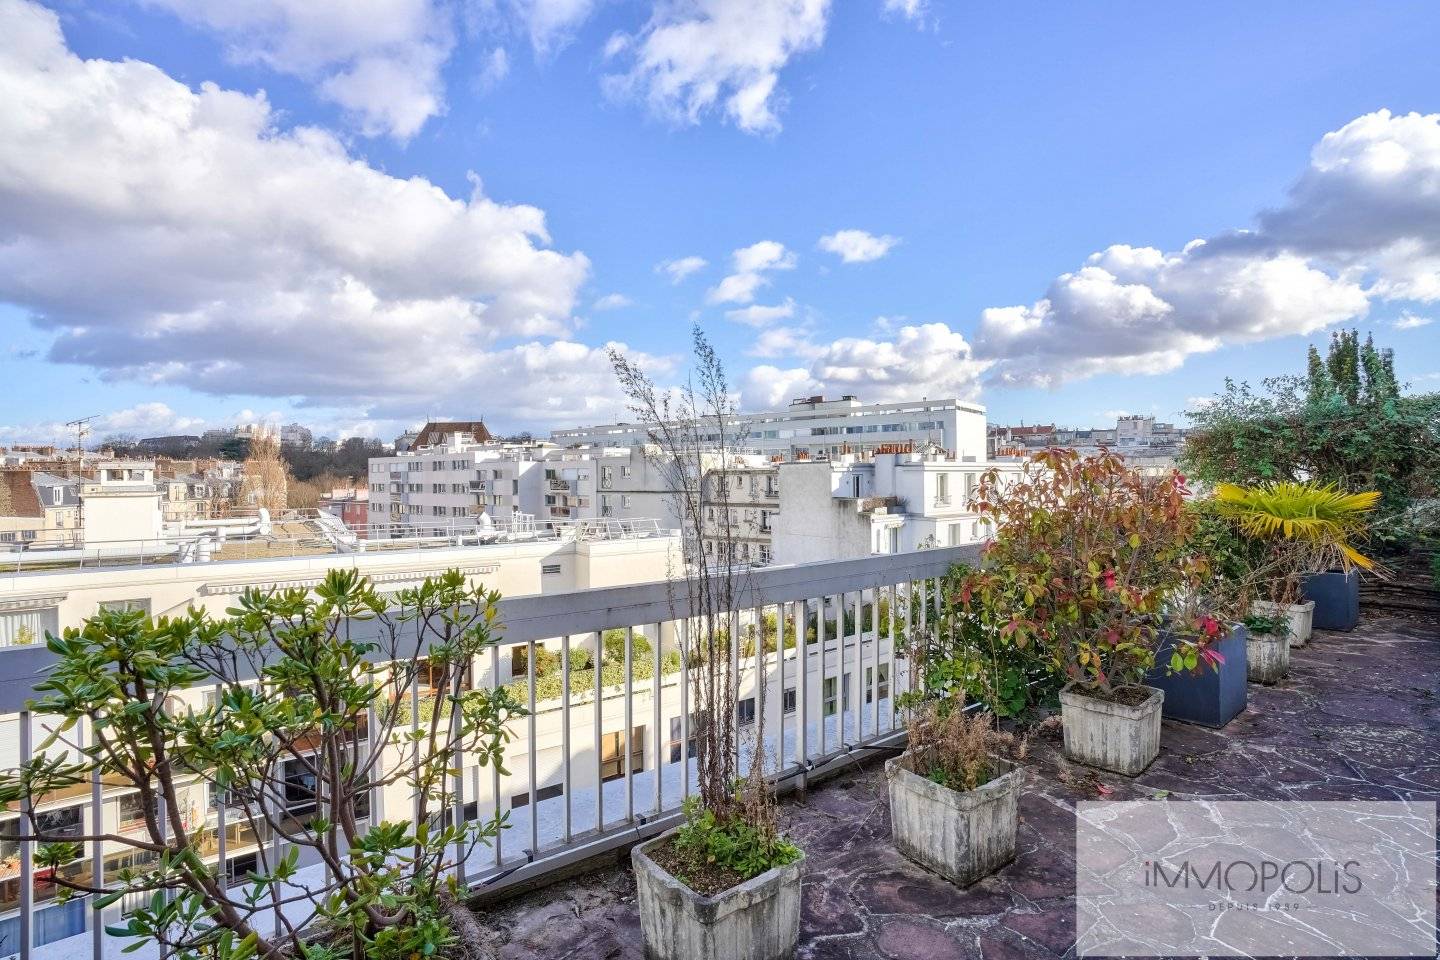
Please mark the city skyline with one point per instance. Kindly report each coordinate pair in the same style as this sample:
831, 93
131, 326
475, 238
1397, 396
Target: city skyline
360, 227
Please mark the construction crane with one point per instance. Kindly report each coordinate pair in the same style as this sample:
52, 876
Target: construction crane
82, 430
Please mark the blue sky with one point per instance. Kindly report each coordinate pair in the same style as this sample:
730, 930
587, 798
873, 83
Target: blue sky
361, 246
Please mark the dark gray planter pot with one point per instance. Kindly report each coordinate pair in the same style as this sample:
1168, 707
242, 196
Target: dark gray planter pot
1109, 735
1269, 657
963, 835
1337, 599
757, 920
1215, 696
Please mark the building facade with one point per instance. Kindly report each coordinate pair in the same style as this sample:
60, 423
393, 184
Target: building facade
816, 427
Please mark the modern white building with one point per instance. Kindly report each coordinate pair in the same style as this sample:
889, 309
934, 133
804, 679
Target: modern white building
886, 504
816, 427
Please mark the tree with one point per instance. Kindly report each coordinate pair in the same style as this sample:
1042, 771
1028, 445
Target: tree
1346, 422
267, 477
695, 432
304, 729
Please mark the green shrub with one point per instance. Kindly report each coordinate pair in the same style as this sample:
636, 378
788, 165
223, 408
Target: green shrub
732, 845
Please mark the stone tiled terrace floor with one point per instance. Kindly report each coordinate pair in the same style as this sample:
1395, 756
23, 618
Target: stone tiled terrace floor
1358, 718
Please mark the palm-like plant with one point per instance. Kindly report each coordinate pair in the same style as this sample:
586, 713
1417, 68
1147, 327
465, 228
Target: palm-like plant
1320, 517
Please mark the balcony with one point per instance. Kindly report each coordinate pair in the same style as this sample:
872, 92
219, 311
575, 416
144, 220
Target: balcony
861, 898
1339, 725
562, 486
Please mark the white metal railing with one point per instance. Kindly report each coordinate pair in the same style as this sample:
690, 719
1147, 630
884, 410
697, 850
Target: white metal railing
596, 765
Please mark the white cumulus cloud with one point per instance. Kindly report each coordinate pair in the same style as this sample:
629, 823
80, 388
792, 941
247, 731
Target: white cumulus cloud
857, 246
1361, 223
751, 266
696, 56
757, 315
182, 236
379, 59
922, 360
613, 301
678, 270
1412, 321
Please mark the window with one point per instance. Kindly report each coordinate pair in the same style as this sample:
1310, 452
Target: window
764, 554
125, 606
828, 696
131, 811
67, 822
942, 488
845, 693
788, 701
612, 753
238, 869
625, 471
437, 488
883, 688
745, 712
300, 788
675, 738
625, 501
24, 627
544, 793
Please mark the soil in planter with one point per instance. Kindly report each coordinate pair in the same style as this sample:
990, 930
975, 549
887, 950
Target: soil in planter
706, 879
1125, 696
937, 775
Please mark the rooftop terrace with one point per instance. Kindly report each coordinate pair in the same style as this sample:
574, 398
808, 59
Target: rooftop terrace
1358, 718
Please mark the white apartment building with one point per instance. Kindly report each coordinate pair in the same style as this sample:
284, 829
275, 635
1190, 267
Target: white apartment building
739, 509
453, 480
890, 503
816, 427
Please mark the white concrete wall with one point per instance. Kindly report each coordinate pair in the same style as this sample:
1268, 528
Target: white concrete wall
514, 569
812, 524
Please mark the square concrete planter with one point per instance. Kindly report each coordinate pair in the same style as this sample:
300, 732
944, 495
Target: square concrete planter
963, 835
757, 920
1211, 698
1336, 595
1109, 735
1269, 657
1299, 615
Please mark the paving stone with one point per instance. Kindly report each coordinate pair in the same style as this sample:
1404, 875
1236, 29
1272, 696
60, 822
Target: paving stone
1358, 718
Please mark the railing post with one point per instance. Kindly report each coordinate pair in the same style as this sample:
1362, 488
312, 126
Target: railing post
530, 751
27, 846
565, 785
657, 690
629, 709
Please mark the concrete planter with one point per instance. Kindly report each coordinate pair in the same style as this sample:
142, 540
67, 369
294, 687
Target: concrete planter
1336, 596
962, 835
1109, 735
1215, 696
757, 920
1300, 616
1269, 657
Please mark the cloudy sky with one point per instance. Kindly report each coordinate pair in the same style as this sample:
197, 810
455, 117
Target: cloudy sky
360, 213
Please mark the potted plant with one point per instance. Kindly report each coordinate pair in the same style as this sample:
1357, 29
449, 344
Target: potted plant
1267, 647
1202, 659
955, 791
724, 885
1085, 556
1306, 527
